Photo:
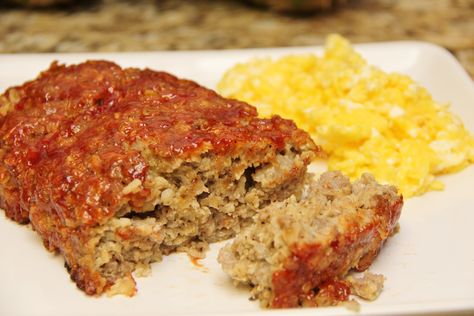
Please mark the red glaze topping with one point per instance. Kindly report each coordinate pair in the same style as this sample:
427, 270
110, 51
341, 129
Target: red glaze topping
335, 290
76, 135
311, 273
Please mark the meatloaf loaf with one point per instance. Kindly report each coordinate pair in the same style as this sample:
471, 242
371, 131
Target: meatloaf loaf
115, 167
298, 252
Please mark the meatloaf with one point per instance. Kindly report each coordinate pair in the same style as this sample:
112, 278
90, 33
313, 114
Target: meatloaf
115, 167
298, 252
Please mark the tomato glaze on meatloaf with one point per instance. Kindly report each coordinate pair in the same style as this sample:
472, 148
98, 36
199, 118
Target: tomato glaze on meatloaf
115, 167
298, 252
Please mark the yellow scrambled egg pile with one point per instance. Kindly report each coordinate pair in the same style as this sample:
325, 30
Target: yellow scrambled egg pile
366, 120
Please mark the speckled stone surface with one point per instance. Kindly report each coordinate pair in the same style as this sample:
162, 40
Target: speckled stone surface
113, 25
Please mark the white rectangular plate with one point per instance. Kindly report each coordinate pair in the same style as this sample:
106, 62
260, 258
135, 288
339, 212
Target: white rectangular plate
428, 265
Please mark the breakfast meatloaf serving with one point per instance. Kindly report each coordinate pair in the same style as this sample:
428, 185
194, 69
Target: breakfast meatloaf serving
299, 252
115, 167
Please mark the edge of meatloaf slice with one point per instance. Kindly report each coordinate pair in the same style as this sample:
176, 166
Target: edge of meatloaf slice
116, 167
298, 252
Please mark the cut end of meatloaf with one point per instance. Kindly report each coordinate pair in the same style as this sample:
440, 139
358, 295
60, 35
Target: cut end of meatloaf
298, 252
116, 167
218, 206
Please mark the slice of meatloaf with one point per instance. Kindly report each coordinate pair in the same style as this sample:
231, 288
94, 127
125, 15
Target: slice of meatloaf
116, 167
297, 253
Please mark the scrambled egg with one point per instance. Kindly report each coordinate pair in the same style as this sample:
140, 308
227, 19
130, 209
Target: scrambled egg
365, 119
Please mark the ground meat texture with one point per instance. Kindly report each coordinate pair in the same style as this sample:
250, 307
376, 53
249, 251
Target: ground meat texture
116, 167
298, 252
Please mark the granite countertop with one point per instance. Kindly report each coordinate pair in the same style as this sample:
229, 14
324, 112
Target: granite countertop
120, 25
